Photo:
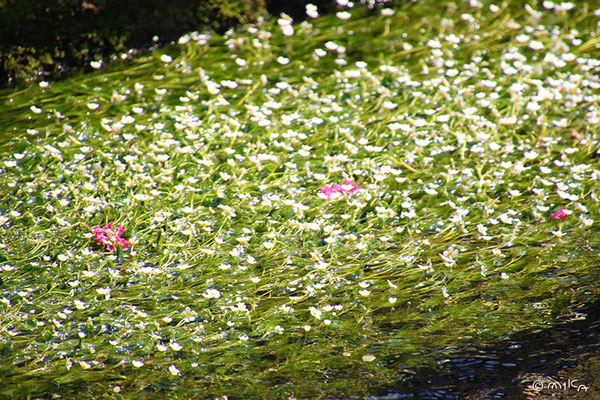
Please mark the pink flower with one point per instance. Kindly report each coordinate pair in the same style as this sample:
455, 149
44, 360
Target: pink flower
326, 190
335, 191
337, 188
111, 239
559, 214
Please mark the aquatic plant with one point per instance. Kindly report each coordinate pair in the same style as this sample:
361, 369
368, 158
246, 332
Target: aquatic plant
456, 121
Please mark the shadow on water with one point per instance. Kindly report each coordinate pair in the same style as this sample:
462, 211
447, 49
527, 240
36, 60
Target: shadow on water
551, 363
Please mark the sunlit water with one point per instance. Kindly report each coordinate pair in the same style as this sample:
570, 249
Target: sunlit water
457, 257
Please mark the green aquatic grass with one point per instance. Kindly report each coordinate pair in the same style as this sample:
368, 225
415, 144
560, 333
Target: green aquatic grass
241, 281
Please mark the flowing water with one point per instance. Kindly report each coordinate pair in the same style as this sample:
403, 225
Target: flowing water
374, 204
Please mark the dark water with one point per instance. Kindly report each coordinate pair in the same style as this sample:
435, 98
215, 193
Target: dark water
550, 363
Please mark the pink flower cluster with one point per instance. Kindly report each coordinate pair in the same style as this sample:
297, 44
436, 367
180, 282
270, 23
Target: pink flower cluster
111, 239
335, 191
560, 214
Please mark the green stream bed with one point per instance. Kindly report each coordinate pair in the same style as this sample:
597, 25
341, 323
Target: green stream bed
386, 204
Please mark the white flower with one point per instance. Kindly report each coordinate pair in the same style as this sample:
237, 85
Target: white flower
315, 312
176, 346
96, 64
227, 211
174, 371
212, 87
137, 364
361, 246
387, 12
535, 45
343, 15
93, 106
85, 365
331, 46
166, 58
285, 20
80, 305
587, 221
184, 39
311, 11
212, 294
283, 60
565, 6
368, 358
434, 44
